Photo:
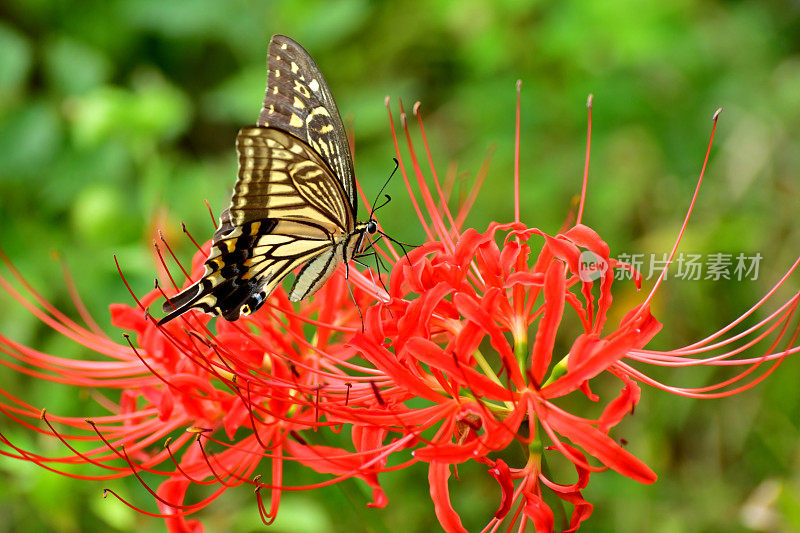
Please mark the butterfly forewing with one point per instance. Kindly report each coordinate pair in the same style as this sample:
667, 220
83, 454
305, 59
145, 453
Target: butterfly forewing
299, 101
281, 177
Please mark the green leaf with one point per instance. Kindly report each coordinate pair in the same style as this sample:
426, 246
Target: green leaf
154, 111
15, 63
29, 137
73, 67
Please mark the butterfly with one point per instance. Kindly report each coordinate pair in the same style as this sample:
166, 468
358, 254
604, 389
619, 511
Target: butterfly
294, 201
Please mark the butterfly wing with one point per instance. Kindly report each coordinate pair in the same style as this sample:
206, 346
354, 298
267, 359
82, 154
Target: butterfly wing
294, 201
299, 102
287, 208
245, 265
281, 177
315, 273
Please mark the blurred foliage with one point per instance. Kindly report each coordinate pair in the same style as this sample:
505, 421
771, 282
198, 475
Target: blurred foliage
118, 118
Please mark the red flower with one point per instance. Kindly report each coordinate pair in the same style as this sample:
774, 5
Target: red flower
468, 351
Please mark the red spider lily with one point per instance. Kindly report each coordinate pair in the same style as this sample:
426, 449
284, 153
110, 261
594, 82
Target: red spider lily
186, 384
465, 355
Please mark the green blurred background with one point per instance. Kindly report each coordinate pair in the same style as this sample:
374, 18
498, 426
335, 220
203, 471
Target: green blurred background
119, 117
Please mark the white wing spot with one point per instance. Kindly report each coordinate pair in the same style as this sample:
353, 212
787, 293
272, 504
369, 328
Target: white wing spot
295, 68
277, 73
314, 85
283, 46
275, 90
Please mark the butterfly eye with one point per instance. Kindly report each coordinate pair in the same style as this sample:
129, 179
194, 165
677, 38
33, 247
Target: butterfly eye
372, 227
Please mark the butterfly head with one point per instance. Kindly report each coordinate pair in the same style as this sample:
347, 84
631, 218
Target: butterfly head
362, 233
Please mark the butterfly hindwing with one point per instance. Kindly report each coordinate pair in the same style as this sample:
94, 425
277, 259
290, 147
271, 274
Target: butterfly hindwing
315, 273
245, 265
299, 102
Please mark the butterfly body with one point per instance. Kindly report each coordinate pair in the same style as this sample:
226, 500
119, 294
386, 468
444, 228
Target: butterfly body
294, 201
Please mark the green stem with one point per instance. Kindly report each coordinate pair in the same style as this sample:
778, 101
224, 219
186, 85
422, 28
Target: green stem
486, 367
521, 352
558, 370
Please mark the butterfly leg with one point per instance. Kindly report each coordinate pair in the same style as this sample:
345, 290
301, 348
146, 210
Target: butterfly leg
352, 297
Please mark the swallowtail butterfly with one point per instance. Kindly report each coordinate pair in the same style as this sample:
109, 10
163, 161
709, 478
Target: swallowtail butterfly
294, 201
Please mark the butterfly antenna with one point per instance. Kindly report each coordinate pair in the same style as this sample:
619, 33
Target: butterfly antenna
398, 242
372, 210
388, 199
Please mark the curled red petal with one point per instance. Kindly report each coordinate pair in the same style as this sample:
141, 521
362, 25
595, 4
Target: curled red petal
566, 251
583, 473
173, 490
448, 452
588, 238
620, 406
513, 252
538, 512
581, 510
387, 361
502, 474
467, 341
469, 241
524, 278
438, 474
596, 443
127, 317
606, 352
431, 354
474, 312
